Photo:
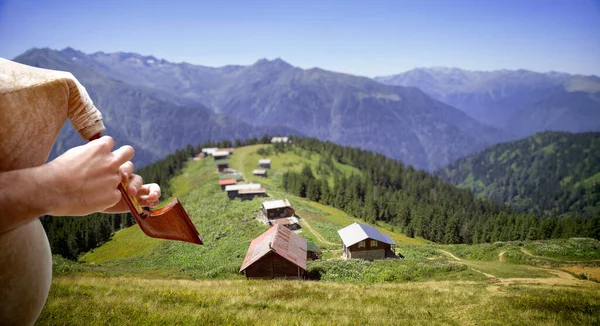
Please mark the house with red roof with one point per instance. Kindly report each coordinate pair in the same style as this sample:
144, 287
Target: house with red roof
277, 253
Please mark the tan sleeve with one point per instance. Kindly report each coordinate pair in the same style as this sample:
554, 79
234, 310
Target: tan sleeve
84, 116
16, 77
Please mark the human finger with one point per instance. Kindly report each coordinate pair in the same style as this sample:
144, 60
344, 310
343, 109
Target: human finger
126, 170
122, 155
135, 184
106, 142
149, 194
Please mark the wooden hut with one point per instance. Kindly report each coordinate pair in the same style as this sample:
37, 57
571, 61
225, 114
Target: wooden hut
249, 194
264, 163
220, 155
226, 182
366, 242
275, 140
229, 150
291, 222
260, 173
312, 251
237, 176
221, 165
277, 253
209, 151
233, 190
275, 209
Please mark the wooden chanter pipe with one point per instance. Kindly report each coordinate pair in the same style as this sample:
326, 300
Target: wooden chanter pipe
170, 222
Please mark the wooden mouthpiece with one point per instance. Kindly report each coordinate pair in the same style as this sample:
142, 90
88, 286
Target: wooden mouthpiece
170, 222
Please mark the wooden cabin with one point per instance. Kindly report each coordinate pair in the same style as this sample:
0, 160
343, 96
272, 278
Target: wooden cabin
209, 151
229, 150
226, 182
230, 171
249, 194
313, 251
366, 242
264, 163
275, 209
220, 155
260, 173
221, 165
275, 140
277, 253
291, 222
233, 190
237, 176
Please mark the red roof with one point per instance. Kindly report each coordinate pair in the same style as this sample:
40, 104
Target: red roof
281, 241
227, 182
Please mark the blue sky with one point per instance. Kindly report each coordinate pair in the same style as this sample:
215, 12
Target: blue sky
359, 37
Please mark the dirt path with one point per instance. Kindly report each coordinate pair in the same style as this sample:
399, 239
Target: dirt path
528, 253
305, 223
562, 277
449, 254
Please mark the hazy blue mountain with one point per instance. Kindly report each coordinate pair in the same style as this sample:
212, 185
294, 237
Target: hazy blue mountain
572, 106
401, 122
154, 123
502, 98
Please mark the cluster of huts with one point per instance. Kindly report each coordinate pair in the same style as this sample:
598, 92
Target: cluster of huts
232, 181
280, 252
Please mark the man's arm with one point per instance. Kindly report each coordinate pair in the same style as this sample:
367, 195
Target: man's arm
81, 181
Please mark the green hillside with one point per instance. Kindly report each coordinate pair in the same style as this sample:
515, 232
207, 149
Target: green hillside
133, 279
548, 173
227, 226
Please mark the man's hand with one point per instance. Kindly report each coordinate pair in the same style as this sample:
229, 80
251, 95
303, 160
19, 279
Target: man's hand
146, 194
85, 179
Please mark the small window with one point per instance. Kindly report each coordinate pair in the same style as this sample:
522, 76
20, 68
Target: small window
373, 243
361, 244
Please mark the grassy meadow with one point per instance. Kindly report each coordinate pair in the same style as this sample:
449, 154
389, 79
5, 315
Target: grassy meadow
133, 279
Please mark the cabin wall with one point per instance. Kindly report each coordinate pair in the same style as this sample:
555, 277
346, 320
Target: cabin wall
280, 212
273, 266
368, 252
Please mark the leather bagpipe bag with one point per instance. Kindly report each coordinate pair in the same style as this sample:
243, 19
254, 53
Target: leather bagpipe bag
34, 105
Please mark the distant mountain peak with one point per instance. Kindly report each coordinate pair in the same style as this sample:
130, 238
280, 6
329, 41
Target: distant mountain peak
277, 62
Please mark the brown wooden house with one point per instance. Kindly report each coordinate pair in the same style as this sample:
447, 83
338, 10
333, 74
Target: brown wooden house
249, 194
366, 242
277, 253
275, 209
226, 182
221, 165
260, 173
233, 191
264, 163
312, 251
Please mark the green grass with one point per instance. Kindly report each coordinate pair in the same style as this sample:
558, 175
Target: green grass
389, 270
87, 300
566, 249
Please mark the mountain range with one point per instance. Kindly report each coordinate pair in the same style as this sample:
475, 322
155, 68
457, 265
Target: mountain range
428, 118
520, 102
401, 122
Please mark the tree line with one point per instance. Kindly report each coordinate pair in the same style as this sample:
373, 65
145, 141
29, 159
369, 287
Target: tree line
421, 204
